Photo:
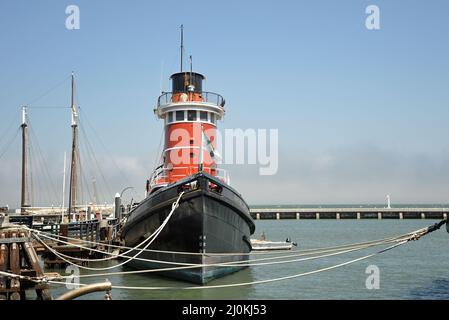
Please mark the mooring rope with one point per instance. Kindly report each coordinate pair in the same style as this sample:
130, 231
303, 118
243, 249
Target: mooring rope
412, 236
246, 263
242, 263
314, 250
175, 205
257, 282
227, 264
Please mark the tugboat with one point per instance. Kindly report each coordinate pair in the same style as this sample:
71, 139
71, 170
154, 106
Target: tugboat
212, 224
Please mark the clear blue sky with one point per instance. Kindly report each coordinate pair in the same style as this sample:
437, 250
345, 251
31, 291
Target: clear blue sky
360, 113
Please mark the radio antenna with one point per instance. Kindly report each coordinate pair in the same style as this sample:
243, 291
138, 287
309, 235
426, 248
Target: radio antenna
182, 43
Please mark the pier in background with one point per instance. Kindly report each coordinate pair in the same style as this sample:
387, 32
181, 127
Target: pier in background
348, 213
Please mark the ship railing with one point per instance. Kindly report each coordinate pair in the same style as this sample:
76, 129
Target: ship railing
82, 230
206, 97
160, 175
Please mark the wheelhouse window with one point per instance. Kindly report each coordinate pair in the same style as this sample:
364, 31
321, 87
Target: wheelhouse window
170, 117
191, 115
179, 115
212, 118
203, 115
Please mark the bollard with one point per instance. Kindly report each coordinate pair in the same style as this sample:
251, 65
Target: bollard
401, 215
338, 216
278, 216
258, 216
117, 206
297, 215
317, 216
358, 215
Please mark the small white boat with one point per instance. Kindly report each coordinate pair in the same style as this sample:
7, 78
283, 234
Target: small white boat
263, 245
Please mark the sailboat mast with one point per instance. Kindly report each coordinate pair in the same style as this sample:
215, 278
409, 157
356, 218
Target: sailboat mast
73, 162
24, 126
63, 188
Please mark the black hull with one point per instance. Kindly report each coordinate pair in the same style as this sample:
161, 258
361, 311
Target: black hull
208, 220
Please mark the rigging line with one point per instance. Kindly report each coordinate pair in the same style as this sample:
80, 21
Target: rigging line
43, 173
49, 90
84, 165
38, 178
42, 159
86, 168
96, 163
97, 135
31, 189
11, 124
158, 156
91, 153
10, 142
83, 183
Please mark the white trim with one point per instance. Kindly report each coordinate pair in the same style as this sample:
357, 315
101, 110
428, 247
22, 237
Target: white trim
198, 117
199, 106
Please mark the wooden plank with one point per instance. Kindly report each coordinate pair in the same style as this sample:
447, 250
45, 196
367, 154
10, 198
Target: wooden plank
14, 256
33, 261
4, 262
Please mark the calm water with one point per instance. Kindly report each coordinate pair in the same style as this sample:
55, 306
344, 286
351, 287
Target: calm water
417, 270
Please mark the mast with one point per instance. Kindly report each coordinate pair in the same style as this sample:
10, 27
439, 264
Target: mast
63, 188
191, 70
24, 126
182, 43
73, 162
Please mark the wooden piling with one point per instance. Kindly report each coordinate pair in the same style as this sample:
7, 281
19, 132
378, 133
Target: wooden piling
32, 258
17, 256
4, 262
14, 257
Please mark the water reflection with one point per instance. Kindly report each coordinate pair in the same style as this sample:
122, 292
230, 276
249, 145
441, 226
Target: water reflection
436, 290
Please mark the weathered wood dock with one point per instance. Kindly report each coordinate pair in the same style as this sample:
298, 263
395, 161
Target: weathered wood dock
18, 257
66, 238
349, 213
